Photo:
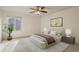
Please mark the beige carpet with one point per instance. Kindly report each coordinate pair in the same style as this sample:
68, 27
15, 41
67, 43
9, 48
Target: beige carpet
72, 48
24, 45
8, 46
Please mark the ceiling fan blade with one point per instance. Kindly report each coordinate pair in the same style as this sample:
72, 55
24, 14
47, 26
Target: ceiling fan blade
38, 10
42, 7
37, 6
44, 11
32, 8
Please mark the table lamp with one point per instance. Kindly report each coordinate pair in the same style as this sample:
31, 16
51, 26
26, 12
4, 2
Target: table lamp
68, 32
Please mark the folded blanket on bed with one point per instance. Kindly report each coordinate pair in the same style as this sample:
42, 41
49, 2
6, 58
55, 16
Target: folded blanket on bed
49, 39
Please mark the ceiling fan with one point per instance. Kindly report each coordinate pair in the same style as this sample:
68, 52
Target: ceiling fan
38, 10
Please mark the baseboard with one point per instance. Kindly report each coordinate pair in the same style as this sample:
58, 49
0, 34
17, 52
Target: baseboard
21, 37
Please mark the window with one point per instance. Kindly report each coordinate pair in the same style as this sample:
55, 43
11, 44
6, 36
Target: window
16, 21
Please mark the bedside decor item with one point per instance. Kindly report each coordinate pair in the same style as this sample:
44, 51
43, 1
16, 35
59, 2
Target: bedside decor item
56, 22
9, 29
68, 32
45, 30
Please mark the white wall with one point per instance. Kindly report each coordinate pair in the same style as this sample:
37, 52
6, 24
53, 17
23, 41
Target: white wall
70, 20
29, 24
0, 27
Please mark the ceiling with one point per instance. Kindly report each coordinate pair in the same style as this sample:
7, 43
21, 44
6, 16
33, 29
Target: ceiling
26, 9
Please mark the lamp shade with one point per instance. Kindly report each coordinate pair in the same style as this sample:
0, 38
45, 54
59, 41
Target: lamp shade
45, 30
68, 32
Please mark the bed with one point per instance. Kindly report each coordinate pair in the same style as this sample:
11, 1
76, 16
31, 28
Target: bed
41, 42
25, 45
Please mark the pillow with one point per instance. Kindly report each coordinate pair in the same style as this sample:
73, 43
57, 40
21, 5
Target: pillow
52, 32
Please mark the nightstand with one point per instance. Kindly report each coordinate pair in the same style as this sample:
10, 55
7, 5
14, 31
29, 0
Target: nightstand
70, 40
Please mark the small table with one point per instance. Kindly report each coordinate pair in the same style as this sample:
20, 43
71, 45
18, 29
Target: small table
70, 40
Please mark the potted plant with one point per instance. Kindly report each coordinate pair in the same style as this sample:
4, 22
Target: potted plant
9, 29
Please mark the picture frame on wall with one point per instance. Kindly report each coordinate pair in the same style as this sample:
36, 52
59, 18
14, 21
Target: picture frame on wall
56, 22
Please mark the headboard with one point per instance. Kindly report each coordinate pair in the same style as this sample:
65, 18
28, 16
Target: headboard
58, 30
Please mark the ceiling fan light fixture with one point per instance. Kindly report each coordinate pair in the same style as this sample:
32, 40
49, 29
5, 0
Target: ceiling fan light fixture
38, 10
37, 13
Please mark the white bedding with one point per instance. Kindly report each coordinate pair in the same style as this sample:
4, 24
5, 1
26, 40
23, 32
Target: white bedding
25, 45
41, 42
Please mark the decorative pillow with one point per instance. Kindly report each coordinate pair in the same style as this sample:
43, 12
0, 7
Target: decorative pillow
53, 32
